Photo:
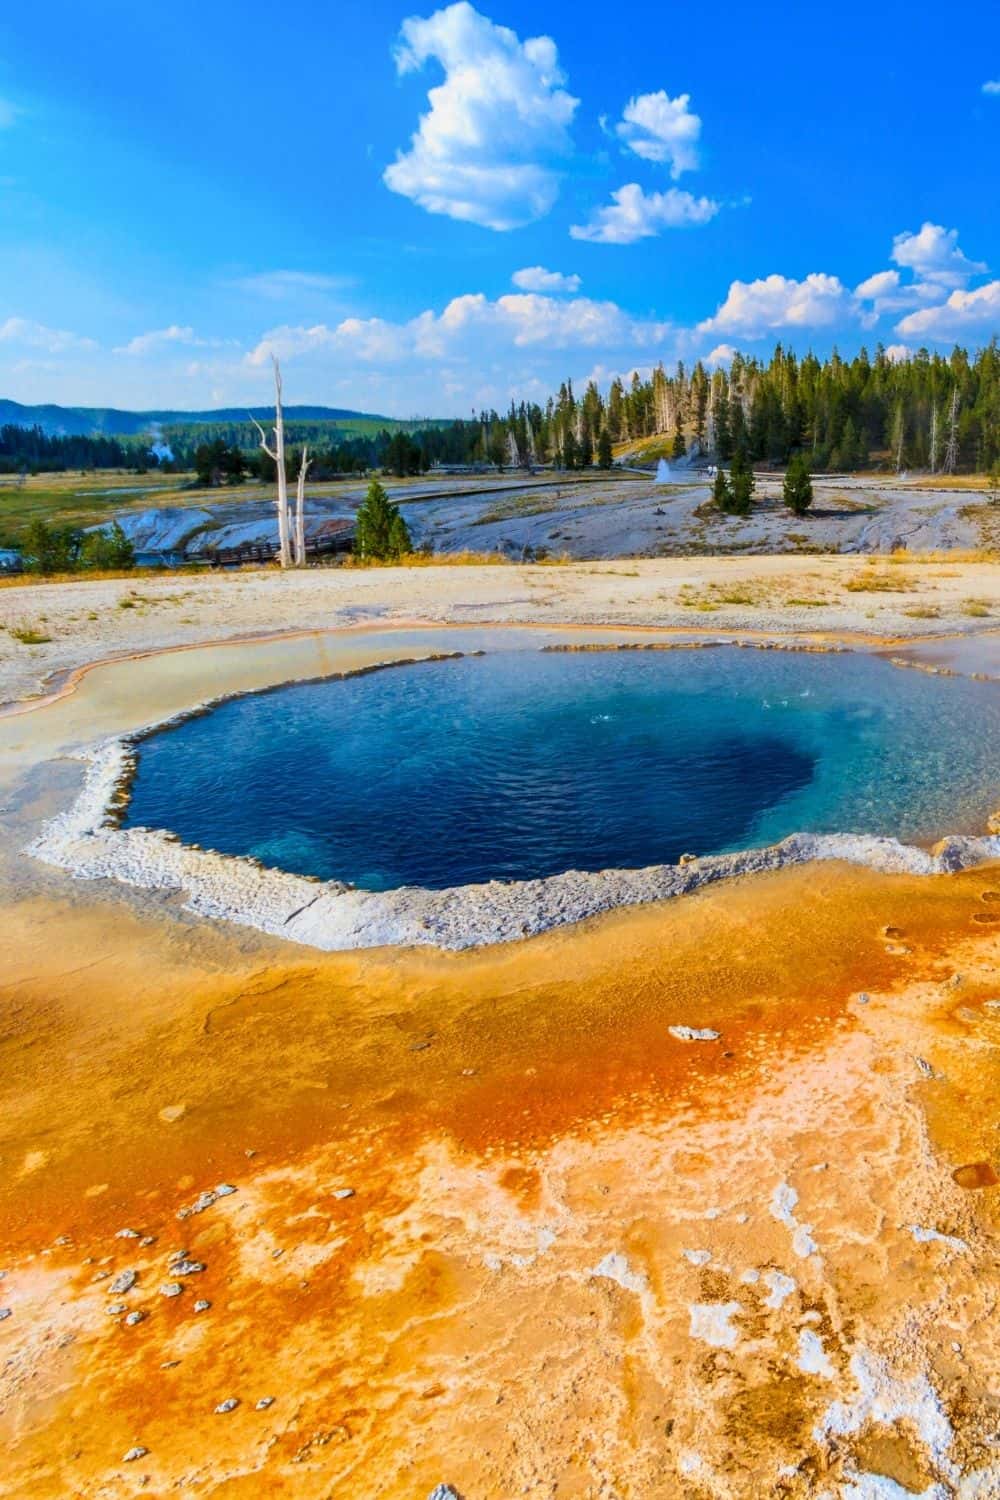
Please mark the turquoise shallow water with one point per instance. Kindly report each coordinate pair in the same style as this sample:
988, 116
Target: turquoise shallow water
524, 764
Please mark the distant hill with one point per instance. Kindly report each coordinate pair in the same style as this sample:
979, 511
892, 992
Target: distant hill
87, 421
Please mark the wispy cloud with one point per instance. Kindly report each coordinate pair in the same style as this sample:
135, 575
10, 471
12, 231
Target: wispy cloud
992, 86
8, 114
158, 338
30, 335
280, 286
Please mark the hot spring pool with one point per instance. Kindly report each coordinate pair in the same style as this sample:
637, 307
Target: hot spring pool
523, 764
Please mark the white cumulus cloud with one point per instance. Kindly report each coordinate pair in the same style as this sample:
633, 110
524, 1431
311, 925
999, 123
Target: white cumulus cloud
898, 352
30, 335
485, 150
754, 308
635, 215
538, 279
722, 354
933, 254
992, 86
662, 129
470, 326
963, 312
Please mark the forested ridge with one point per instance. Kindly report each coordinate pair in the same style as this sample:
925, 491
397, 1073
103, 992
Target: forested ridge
932, 412
935, 412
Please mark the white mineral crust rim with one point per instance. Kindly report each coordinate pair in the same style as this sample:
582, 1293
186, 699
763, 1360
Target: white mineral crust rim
333, 916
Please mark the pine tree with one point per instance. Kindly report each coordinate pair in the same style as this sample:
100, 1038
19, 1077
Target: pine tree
604, 454
380, 533
797, 490
741, 483
722, 495
569, 450
678, 447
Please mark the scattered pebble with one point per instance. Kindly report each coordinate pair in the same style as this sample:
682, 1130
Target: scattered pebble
133, 1454
134, 1318
924, 1067
863, 998
206, 1199
343, 1192
277, 1254
115, 1309
443, 1492
124, 1282
187, 1267
230, 1404
127, 1234
697, 1257
693, 1033
171, 1289
264, 1403
147, 1240
202, 1304
4, 1313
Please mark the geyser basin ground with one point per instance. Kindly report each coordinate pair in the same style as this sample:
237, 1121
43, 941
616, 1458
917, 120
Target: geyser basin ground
524, 764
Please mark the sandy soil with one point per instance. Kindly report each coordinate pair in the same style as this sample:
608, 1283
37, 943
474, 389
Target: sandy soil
494, 1224
817, 596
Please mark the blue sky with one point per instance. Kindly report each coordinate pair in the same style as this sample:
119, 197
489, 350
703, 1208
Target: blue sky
423, 210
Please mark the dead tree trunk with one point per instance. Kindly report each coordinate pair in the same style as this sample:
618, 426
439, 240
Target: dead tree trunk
951, 452
278, 454
300, 510
934, 437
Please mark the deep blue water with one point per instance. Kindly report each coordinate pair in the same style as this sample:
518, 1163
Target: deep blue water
524, 764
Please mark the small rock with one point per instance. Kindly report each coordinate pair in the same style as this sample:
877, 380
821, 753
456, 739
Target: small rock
225, 1190
147, 1240
693, 1033
171, 1289
100, 1276
863, 998
127, 1234
124, 1282
688, 859
187, 1267
116, 1308
230, 1404
4, 1314
924, 1067
202, 1304
277, 1254
133, 1454
443, 1492
134, 1318
264, 1403
343, 1192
